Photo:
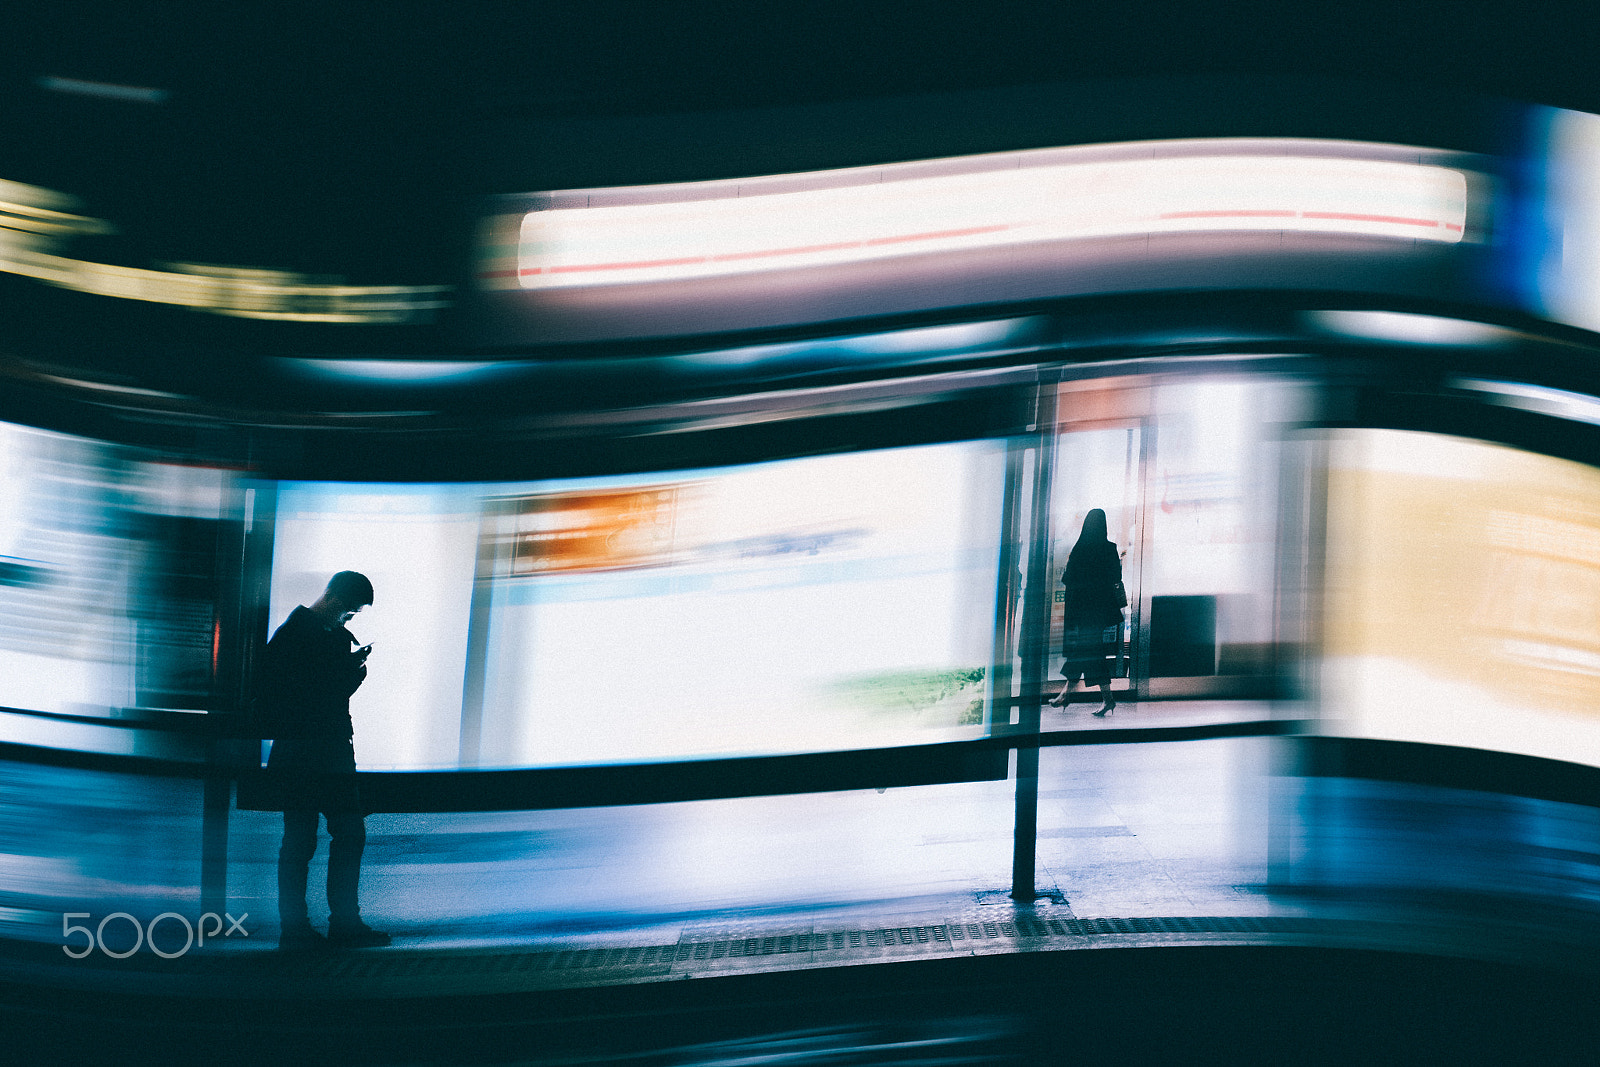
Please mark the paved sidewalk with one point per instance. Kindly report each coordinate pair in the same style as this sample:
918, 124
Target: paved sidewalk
1138, 845
1125, 830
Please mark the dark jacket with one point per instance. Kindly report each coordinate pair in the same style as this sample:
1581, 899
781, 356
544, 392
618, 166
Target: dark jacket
308, 674
1092, 577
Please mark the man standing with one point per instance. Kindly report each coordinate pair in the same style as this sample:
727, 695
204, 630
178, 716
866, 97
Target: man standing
310, 671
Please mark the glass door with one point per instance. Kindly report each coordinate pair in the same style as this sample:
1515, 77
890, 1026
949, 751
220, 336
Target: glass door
1101, 448
1186, 469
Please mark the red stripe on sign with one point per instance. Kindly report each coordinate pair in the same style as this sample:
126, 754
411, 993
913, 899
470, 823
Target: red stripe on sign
766, 252
636, 265
1452, 226
801, 250
1353, 217
1228, 214
936, 234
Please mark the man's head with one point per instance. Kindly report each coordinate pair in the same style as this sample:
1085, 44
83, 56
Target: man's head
347, 593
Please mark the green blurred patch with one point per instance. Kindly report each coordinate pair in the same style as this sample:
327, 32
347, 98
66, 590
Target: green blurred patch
952, 697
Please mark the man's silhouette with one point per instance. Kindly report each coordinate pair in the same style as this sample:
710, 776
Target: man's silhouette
310, 672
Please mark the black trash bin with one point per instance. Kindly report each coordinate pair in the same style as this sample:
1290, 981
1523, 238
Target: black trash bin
1183, 636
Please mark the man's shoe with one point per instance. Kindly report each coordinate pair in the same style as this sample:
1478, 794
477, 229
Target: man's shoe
301, 937
356, 935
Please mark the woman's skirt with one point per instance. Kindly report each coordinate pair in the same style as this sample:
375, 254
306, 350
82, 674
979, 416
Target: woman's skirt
1089, 649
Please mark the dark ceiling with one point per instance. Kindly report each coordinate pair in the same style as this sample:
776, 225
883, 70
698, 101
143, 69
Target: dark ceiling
436, 63
291, 134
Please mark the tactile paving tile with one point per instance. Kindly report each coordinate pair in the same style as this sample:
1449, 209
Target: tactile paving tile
399, 971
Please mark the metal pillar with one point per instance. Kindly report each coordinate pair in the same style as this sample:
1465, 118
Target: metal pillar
1036, 595
215, 805
241, 615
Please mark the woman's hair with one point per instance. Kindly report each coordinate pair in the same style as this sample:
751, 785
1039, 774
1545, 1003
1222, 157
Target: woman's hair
1093, 535
1094, 527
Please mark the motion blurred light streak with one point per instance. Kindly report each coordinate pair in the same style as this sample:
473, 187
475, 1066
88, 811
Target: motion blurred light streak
702, 229
402, 371
1561, 403
139, 94
1409, 328
34, 230
922, 343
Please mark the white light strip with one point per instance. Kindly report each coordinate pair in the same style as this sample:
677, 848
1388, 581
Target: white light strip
706, 229
406, 371
1578, 407
1409, 328
922, 343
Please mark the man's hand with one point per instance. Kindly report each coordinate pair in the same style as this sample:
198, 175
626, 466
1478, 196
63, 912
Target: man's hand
358, 658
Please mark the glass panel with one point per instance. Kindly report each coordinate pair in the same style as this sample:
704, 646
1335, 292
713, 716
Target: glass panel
1213, 525
418, 544
108, 580
820, 604
1094, 469
1186, 469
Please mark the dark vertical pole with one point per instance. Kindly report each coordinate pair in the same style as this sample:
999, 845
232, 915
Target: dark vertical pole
239, 608
1008, 590
256, 597
215, 806
227, 714
1036, 595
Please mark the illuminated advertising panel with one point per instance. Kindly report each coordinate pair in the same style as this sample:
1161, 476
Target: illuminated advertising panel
581, 238
1463, 595
811, 605
689, 258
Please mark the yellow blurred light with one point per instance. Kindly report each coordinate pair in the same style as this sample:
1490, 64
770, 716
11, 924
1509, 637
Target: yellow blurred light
1463, 584
33, 226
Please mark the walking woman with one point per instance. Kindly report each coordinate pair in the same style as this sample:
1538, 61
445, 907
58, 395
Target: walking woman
1094, 603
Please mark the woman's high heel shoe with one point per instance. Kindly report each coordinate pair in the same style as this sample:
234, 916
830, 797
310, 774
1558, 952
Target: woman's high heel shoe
1107, 706
1060, 700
